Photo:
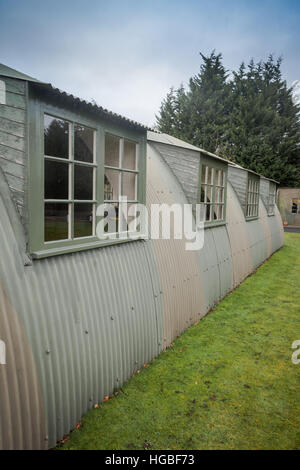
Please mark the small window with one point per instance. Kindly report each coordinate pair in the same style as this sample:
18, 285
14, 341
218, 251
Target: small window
120, 181
272, 199
252, 205
296, 206
212, 194
69, 180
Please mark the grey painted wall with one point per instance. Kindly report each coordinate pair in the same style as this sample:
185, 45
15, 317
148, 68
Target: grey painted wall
185, 165
13, 139
238, 179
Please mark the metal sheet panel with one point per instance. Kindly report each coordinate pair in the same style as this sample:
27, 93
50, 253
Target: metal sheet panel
181, 281
239, 241
91, 319
258, 243
223, 251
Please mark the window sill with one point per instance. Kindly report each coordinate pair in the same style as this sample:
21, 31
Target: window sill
214, 224
62, 250
271, 215
249, 219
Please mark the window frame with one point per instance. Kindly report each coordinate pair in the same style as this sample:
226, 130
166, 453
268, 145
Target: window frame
216, 164
37, 108
251, 177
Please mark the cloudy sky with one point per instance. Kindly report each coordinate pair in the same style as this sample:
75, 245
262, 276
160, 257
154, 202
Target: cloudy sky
126, 54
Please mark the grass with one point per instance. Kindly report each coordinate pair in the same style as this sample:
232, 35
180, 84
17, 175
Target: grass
228, 382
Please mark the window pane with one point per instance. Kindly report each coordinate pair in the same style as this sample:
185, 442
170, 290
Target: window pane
202, 195
204, 171
56, 222
56, 137
210, 175
129, 185
209, 194
56, 180
83, 220
207, 218
111, 185
112, 150
129, 155
111, 214
83, 182
84, 144
132, 218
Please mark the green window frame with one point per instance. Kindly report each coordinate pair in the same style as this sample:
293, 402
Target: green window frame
252, 197
272, 199
212, 191
94, 170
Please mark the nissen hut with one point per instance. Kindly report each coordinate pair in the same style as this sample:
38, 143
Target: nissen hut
79, 314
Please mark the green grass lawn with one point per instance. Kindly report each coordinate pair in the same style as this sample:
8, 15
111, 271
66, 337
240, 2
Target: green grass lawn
226, 383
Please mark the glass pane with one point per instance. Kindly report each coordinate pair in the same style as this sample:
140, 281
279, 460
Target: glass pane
222, 178
131, 219
112, 150
83, 220
83, 182
129, 185
84, 144
56, 180
202, 195
209, 194
210, 175
207, 218
111, 185
129, 155
111, 214
56, 137
56, 222
204, 172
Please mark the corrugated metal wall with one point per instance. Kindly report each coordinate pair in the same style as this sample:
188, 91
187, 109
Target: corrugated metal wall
90, 318
78, 325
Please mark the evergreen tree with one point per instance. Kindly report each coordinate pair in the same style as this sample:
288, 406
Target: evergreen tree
264, 128
251, 119
199, 114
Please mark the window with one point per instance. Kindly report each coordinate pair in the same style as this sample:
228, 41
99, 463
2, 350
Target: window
69, 180
252, 204
212, 192
76, 162
296, 206
272, 198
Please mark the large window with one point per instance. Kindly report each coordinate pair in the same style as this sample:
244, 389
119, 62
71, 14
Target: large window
252, 204
69, 180
78, 163
213, 193
272, 199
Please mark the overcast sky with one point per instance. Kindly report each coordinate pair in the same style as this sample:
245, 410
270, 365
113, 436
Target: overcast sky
126, 54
